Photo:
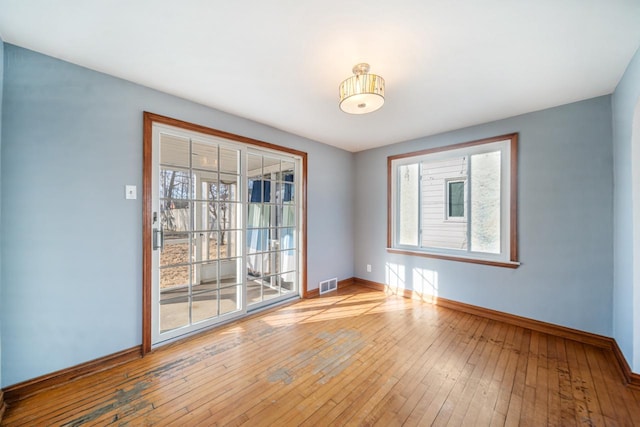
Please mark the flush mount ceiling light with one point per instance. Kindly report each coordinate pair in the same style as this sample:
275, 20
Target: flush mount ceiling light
363, 92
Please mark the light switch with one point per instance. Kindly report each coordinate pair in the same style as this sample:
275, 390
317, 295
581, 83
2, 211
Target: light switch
130, 192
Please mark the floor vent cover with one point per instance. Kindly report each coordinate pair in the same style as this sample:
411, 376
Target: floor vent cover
328, 285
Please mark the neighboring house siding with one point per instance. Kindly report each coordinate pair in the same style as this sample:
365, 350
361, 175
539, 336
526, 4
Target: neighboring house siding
438, 230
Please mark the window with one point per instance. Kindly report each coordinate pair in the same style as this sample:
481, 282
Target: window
456, 202
455, 199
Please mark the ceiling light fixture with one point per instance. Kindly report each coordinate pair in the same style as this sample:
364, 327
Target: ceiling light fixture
363, 92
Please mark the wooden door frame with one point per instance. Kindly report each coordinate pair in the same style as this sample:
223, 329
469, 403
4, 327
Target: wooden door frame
147, 205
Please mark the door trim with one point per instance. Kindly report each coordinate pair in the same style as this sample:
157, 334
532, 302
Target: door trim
147, 205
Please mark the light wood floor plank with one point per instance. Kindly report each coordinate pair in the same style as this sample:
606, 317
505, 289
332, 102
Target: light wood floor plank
514, 409
540, 413
553, 382
507, 376
353, 357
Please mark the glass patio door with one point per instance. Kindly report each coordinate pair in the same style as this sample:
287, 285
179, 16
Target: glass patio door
272, 228
197, 234
224, 230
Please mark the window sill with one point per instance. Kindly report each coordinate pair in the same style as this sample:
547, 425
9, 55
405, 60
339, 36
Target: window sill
505, 264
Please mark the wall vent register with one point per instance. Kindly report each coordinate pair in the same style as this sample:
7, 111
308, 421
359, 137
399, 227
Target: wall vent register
328, 285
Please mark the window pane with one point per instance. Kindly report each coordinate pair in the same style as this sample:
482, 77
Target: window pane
174, 215
204, 306
287, 170
254, 187
205, 276
289, 216
204, 156
254, 290
270, 166
437, 232
175, 184
485, 202
228, 215
257, 240
206, 247
259, 215
174, 150
260, 191
255, 263
254, 165
229, 300
270, 261
205, 216
408, 176
174, 313
287, 282
287, 238
229, 244
209, 190
456, 199
229, 271
174, 277
289, 193
229, 160
175, 250
270, 287
227, 190
286, 261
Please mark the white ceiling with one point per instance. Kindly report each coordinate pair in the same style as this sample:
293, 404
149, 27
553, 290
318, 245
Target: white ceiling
447, 63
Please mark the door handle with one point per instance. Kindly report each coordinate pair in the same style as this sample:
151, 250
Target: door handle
158, 239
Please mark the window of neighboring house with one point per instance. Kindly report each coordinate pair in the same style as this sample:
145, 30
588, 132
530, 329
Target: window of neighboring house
456, 202
455, 199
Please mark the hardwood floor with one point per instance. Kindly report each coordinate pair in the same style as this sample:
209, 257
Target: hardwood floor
356, 357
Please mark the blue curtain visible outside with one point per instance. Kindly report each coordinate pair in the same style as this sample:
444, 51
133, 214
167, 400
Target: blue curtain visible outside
288, 188
266, 190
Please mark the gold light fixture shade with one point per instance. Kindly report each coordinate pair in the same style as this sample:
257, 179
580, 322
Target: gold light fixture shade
363, 92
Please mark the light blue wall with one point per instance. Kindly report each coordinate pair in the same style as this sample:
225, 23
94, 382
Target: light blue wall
565, 220
626, 314
1, 86
72, 257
